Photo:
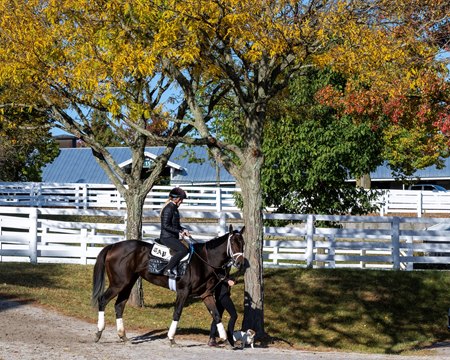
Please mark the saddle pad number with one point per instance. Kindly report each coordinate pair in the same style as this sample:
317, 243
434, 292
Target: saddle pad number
161, 251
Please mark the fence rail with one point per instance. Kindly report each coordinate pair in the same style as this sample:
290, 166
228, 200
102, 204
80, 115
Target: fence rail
201, 198
412, 201
40, 235
104, 196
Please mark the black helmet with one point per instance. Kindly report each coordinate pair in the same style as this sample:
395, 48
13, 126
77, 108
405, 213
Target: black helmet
178, 193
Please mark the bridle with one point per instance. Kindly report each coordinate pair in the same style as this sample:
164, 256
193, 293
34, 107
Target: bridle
233, 256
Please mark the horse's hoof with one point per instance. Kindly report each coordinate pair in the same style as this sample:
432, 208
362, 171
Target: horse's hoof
98, 335
173, 344
123, 338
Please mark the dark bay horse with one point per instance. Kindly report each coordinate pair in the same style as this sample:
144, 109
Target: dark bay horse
125, 261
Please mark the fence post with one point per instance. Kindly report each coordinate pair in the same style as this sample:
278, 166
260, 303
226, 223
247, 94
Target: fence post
86, 196
395, 236
419, 203
410, 253
1, 245
33, 235
222, 223
218, 199
275, 254
362, 253
309, 241
83, 246
119, 199
384, 202
332, 251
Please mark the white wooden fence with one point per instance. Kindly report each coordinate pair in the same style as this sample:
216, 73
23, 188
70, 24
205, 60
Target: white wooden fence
413, 201
30, 235
104, 196
201, 198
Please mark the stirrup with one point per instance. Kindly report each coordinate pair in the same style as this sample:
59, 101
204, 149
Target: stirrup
171, 273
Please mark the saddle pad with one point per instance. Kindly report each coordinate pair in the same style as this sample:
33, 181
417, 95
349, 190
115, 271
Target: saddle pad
161, 251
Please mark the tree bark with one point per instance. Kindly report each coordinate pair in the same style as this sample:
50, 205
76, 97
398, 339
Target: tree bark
253, 220
364, 181
135, 201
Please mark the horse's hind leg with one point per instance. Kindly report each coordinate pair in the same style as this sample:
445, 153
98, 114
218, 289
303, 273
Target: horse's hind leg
109, 294
119, 307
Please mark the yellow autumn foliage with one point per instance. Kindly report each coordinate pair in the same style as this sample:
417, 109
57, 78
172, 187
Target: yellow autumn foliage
89, 51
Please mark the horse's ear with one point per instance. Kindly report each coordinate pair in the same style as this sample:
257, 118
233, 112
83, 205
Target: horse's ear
242, 230
230, 229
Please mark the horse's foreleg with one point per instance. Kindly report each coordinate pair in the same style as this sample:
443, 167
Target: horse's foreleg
181, 300
212, 308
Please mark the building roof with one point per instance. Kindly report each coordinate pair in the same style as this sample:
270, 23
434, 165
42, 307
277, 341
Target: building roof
429, 173
78, 165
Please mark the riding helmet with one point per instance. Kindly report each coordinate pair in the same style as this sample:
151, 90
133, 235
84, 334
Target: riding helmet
178, 193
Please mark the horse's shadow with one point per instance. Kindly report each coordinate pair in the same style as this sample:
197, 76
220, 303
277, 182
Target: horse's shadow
150, 336
161, 334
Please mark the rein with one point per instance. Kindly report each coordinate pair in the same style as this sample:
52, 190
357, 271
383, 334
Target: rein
232, 261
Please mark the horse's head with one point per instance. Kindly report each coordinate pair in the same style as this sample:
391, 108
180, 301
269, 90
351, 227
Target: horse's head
235, 247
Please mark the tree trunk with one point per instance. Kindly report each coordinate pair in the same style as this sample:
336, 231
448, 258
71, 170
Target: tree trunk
253, 220
364, 181
135, 200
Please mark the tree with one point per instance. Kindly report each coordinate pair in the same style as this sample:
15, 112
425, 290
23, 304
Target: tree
312, 149
24, 149
77, 59
411, 120
78, 62
115, 56
253, 48
310, 152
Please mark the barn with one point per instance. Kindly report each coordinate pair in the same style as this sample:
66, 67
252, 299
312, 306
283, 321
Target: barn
194, 166
191, 166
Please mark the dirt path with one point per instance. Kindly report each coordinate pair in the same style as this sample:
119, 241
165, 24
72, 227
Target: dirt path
30, 332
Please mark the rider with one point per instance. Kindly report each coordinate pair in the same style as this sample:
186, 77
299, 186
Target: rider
171, 231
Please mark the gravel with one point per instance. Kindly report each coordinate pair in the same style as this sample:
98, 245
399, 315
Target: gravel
31, 332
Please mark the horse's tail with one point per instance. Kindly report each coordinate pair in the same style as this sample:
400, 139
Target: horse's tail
99, 276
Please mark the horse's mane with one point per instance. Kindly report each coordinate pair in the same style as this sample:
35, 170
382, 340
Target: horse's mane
213, 243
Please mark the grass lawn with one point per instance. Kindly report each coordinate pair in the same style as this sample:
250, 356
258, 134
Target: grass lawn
353, 310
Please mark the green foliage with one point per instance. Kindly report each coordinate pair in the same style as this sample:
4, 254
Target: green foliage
310, 153
24, 148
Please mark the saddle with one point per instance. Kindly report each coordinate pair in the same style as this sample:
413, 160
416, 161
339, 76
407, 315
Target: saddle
160, 256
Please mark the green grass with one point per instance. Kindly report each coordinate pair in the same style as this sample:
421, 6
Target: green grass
353, 310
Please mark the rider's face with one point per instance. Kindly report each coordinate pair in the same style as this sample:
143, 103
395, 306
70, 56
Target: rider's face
178, 201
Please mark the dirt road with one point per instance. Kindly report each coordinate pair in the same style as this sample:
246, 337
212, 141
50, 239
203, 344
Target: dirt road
30, 332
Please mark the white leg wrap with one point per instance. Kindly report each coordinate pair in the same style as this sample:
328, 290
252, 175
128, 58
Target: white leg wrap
101, 321
120, 328
221, 330
172, 329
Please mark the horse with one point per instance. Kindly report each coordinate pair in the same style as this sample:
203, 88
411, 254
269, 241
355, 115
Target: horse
126, 260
